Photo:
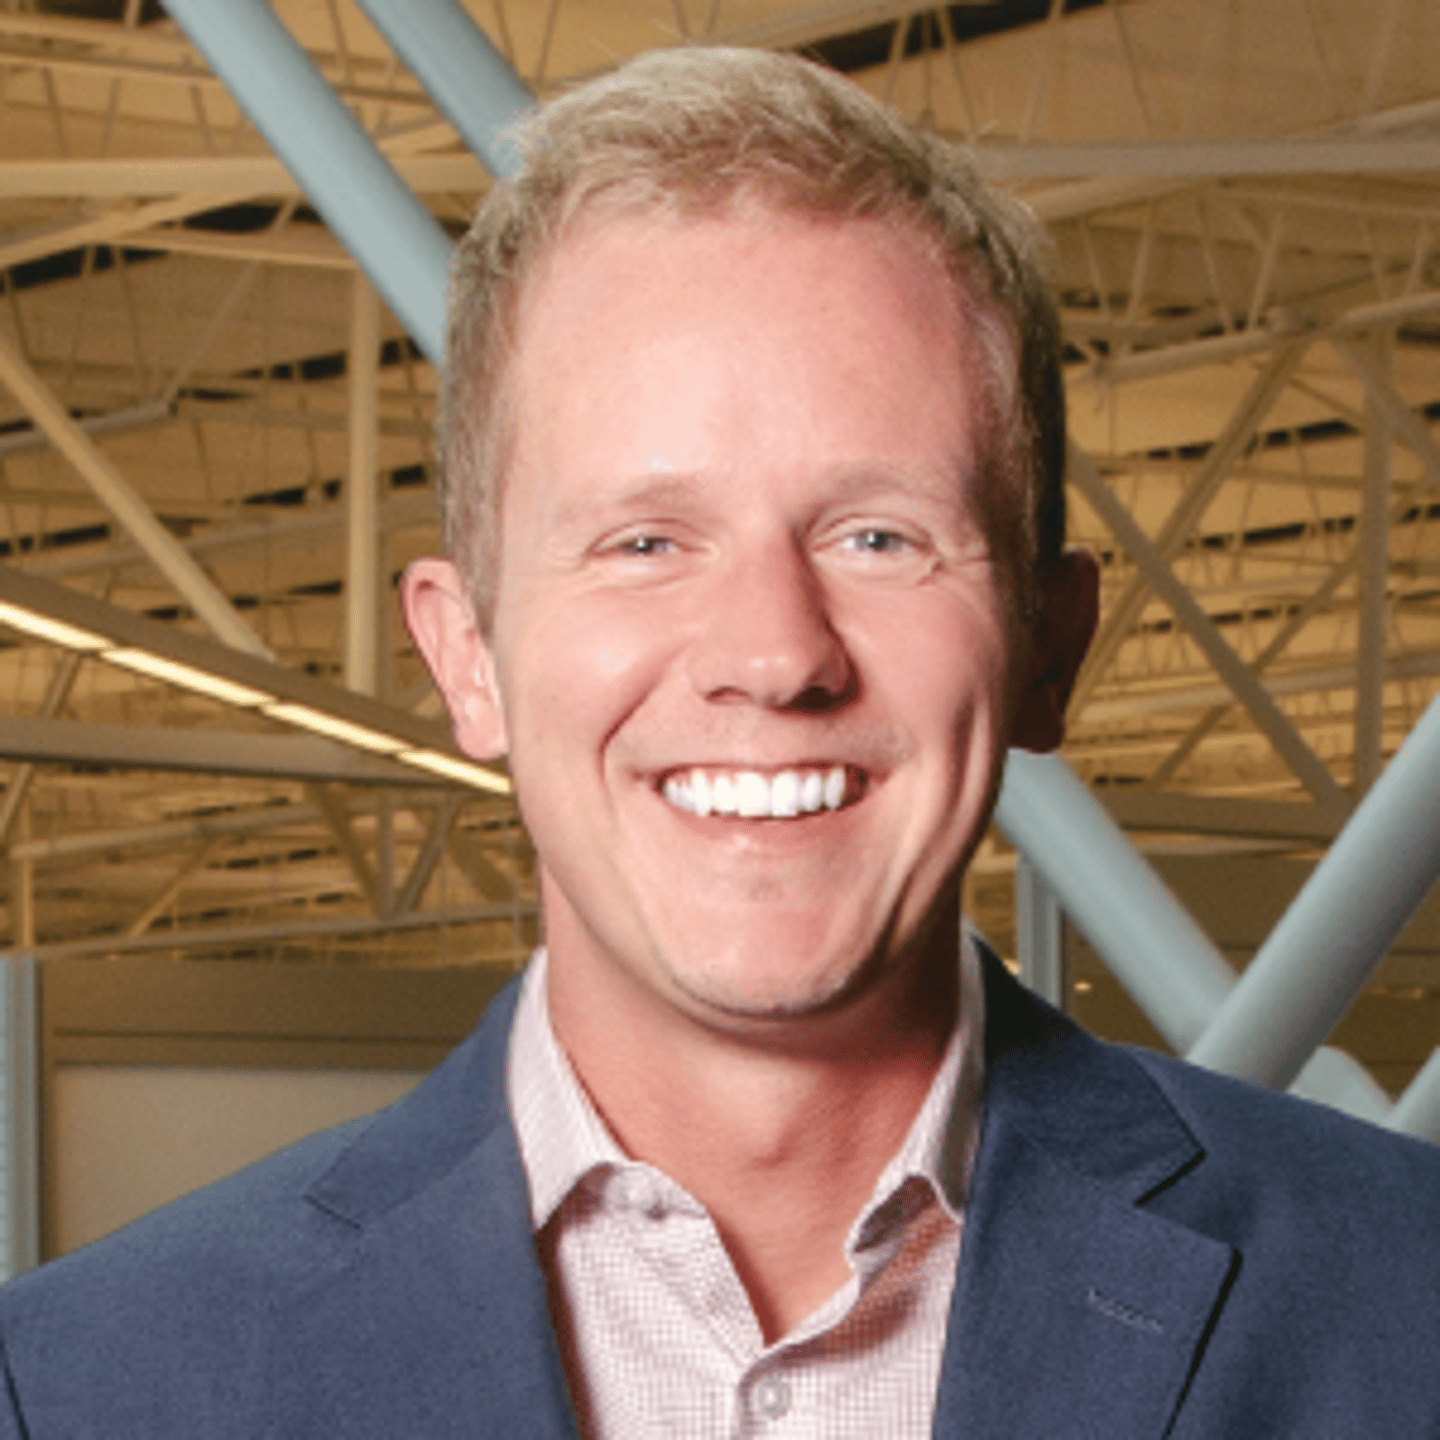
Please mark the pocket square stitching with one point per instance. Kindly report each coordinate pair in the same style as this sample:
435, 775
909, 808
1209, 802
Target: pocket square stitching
1125, 1314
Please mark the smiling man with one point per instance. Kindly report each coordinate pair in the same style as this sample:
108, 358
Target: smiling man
765, 612
753, 444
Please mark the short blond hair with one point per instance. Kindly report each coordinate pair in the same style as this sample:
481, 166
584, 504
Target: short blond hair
690, 132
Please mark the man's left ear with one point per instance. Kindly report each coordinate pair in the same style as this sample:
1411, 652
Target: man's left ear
1059, 640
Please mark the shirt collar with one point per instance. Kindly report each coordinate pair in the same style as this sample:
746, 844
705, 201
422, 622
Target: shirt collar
563, 1139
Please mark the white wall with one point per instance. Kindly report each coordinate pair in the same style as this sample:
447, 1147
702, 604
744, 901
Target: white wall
126, 1138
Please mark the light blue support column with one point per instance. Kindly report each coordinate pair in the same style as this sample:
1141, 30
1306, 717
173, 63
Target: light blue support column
1140, 930
19, 1120
1038, 930
1144, 935
1337, 930
1417, 1111
461, 71
372, 211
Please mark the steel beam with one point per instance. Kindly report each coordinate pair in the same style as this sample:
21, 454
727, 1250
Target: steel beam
1409, 428
362, 501
116, 225
1039, 934
1140, 807
432, 849
1128, 705
218, 177
352, 926
1417, 1111
333, 806
115, 422
1199, 160
205, 752
166, 832
1232, 442
1329, 942
121, 499
487, 880
1225, 349
313, 248
463, 73
19, 1118
1143, 934
126, 628
196, 860
1263, 710
22, 890
1138, 928
1282, 638
307, 528
1374, 550
377, 217
159, 42
57, 691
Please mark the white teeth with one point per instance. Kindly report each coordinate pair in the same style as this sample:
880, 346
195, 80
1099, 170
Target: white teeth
785, 794
700, 793
812, 792
753, 796
723, 795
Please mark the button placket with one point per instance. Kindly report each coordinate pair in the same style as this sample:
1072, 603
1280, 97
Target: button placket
771, 1396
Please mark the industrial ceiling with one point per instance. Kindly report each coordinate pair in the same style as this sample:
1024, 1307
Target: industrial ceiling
1244, 198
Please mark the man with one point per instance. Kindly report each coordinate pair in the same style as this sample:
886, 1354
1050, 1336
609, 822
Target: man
753, 440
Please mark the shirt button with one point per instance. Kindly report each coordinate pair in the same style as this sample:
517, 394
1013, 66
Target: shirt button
772, 1397
639, 1193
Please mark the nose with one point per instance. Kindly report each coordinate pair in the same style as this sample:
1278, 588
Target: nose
767, 637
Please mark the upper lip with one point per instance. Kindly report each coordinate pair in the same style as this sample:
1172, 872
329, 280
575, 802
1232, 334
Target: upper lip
759, 767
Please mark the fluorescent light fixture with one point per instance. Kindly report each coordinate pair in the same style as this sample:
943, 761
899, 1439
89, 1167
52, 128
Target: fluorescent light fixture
228, 692
453, 769
57, 632
200, 681
334, 728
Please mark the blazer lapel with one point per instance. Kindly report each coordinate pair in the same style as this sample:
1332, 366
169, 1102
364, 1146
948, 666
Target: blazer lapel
1076, 1312
431, 1276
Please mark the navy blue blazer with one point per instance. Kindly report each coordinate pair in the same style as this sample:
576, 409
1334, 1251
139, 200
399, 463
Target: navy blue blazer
1149, 1251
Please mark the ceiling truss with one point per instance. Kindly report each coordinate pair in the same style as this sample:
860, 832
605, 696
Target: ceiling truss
1244, 200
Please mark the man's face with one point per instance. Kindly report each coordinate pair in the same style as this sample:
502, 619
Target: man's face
755, 654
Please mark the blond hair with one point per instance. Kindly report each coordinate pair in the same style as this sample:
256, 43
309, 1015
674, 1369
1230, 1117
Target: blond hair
691, 132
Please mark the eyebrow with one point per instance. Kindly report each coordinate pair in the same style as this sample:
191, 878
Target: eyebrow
850, 481
645, 492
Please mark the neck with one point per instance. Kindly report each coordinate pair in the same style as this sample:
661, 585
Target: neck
781, 1131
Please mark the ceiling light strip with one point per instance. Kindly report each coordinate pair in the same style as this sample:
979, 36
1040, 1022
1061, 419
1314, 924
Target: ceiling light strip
311, 714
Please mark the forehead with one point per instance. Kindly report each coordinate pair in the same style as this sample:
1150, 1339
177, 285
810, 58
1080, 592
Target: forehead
658, 257
691, 335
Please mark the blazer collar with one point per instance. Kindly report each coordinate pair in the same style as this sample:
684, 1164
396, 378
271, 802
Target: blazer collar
1075, 1312
438, 1291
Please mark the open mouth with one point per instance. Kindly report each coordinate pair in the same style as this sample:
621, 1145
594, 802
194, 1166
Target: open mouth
752, 795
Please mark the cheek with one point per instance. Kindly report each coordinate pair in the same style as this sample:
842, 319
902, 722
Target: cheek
588, 665
942, 657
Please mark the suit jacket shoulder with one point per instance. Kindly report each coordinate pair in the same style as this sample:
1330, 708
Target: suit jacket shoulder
375, 1280
1148, 1251
1167, 1252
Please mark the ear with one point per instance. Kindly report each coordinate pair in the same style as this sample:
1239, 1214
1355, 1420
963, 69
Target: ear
442, 623
1061, 636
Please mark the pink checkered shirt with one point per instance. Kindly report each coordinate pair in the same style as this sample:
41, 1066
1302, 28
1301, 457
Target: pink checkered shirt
657, 1334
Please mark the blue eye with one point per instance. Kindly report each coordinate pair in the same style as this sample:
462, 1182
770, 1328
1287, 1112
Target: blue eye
878, 542
645, 545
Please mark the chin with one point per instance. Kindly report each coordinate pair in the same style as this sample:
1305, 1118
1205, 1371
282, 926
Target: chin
764, 987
